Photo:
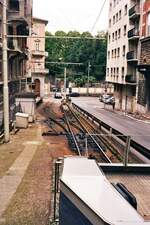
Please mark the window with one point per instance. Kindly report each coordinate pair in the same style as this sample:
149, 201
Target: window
122, 72
117, 71
110, 6
115, 53
120, 15
109, 38
125, 10
110, 23
116, 17
107, 71
108, 54
37, 45
118, 55
115, 35
112, 53
111, 71
14, 5
124, 50
125, 30
113, 19
148, 24
114, 72
119, 33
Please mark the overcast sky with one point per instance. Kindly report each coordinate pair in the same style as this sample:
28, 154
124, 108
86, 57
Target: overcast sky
68, 15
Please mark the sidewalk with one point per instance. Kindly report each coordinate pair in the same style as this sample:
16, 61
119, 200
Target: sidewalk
26, 168
12, 177
142, 117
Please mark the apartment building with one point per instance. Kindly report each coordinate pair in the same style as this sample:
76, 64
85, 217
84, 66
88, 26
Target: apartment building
144, 64
123, 51
19, 19
36, 62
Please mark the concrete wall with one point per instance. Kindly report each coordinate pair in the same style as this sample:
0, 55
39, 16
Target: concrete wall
93, 90
124, 98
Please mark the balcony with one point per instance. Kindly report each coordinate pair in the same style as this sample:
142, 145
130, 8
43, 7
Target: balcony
133, 34
39, 53
134, 12
130, 79
40, 70
132, 57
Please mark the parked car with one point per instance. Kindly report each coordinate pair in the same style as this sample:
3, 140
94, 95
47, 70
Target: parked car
58, 95
110, 100
104, 97
74, 94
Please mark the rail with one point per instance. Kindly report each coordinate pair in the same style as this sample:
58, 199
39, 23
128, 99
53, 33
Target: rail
105, 157
72, 134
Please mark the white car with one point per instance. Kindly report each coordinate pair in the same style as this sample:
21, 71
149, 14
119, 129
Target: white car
58, 95
110, 100
104, 97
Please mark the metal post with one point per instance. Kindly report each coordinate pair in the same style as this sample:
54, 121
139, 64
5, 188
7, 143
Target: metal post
126, 101
5, 72
110, 132
56, 185
127, 149
65, 81
86, 145
89, 65
55, 192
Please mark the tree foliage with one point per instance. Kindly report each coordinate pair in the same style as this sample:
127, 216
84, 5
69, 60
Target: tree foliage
77, 51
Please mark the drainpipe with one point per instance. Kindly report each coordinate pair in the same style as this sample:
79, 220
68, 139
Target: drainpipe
5, 72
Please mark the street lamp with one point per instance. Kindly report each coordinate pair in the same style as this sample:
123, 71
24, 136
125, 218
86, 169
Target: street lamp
5, 71
65, 81
88, 81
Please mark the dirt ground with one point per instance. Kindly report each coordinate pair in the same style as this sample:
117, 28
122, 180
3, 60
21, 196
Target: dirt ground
31, 204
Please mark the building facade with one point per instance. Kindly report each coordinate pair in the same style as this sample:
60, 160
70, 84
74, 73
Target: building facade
19, 19
123, 51
36, 63
144, 64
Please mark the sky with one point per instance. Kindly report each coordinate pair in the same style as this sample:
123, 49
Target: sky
66, 15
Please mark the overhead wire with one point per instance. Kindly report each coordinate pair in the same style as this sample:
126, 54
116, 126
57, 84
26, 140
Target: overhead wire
97, 18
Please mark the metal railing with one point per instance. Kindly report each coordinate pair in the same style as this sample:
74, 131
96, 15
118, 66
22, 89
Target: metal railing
132, 55
133, 33
40, 70
134, 10
130, 79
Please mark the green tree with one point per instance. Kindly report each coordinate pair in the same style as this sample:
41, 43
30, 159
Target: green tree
78, 51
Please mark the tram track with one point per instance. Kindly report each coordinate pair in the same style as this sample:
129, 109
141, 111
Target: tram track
90, 139
86, 137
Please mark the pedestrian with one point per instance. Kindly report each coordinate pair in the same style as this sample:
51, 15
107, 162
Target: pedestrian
113, 104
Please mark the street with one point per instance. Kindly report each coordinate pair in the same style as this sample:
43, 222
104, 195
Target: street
140, 131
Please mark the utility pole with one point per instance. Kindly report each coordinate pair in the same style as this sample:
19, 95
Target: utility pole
65, 80
88, 81
5, 71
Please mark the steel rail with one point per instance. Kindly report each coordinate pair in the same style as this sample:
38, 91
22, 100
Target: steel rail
102, 139
54, 119
106, 158
71, 132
